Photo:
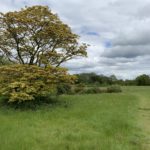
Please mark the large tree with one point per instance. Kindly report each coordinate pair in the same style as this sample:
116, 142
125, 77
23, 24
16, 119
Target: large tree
32, 38
34, 35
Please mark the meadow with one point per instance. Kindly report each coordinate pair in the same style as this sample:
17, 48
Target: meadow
114, 121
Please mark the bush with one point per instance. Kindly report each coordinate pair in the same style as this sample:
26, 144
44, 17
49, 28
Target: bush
22, 83
96, 90
88, 90
114, 89
64, 89
79, 89
93, 90
47, 100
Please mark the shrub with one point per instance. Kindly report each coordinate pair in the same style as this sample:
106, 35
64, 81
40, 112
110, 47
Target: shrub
64, 89
20, 83
87, 90
93, 90
48, 100
78, 90
96, 90
114, 89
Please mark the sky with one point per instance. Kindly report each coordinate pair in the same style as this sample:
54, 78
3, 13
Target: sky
118, 32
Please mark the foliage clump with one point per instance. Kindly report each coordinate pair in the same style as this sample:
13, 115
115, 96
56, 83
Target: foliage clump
79, 89
114, 89
26, 82
93, 90
64, 88
142, 80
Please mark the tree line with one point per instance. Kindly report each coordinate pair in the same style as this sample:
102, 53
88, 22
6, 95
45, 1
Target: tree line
95, 79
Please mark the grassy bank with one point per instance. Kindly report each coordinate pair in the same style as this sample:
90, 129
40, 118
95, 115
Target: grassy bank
84, 122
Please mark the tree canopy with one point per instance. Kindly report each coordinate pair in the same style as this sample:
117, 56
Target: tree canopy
143, 80
35, 35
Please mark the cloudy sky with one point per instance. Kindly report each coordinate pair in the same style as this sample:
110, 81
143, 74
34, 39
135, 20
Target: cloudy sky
117, 30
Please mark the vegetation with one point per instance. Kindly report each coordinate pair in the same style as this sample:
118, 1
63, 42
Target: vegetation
114, 88
27, 82
33, 40
101, 80
99, 121
102, 130
64, 88
92, 78
143, 80
83, 89
94, 90
4, 61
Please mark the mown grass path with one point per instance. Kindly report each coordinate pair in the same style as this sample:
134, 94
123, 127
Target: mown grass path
143, 113
144, 118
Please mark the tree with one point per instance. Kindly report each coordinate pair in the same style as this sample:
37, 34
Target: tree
37, 42
34, 35
113, 78
143, 80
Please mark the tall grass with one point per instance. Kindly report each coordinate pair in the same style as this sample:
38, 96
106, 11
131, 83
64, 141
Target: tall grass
80, 122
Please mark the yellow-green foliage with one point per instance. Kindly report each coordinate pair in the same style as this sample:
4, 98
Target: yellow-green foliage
26, 82
34, 35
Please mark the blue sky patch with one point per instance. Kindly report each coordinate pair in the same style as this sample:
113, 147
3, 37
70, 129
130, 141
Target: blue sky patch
107, 44
92, 33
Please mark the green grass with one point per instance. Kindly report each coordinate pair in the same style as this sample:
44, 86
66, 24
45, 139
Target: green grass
144, 115
83, 122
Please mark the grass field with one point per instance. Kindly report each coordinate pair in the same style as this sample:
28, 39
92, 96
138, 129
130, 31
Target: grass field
82, 122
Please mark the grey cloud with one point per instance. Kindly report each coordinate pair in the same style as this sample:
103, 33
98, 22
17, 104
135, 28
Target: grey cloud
124, 23
127, 51
137, 36
144, 11
132, 41
121, 67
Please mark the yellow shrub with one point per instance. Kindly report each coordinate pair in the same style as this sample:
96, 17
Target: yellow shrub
26, 82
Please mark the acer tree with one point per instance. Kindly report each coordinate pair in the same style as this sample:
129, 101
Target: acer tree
36, 42
21, 83
34, 35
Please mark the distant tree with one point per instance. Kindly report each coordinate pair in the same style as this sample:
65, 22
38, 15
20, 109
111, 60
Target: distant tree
104, 80
143, 80
129, 82
120, 82
93, 78
113, 78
